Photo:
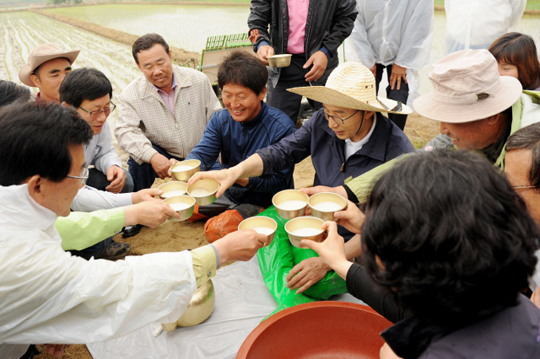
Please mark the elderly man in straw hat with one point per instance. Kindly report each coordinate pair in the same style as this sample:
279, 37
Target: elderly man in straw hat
345, 138
46, 68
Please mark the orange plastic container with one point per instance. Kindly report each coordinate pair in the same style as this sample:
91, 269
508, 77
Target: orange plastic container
317, 330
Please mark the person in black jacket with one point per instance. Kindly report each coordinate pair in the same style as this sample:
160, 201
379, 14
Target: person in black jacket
311, 31
448, 238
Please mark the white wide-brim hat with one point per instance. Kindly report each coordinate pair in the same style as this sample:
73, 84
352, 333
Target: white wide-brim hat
467, 87
352, 85
42, 54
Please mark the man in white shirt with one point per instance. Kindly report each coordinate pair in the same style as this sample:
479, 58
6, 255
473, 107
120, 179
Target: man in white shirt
476, 24
48, 296
89, 91
394, 35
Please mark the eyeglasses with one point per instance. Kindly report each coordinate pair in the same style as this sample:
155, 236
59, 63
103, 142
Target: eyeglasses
335, 118
83, 177
95, 114
523, 187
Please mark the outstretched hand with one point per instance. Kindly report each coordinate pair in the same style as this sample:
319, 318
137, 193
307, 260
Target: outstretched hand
226, 178
351, 218
310, 191
147, 194
240, 245
149, 213
331, 250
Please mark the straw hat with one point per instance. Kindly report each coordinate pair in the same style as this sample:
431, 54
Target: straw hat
467, 87
352, 85
42, 54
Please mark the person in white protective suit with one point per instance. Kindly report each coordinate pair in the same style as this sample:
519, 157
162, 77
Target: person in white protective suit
476, 24
394, 35
49, 296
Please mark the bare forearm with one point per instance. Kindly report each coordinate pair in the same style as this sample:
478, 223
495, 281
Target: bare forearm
341, 268
353, 248
252, 167
130, 216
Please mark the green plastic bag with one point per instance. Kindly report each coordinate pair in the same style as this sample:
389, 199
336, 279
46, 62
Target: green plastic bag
277, 260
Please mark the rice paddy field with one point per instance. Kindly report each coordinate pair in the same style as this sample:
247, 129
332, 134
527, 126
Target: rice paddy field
20, 32
183, 26
188, 26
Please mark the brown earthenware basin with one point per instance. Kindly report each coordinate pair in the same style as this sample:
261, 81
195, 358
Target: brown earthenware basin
317, 330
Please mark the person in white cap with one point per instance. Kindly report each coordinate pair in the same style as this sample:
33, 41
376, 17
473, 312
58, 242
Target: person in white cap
345, 138
476, 107
46, 68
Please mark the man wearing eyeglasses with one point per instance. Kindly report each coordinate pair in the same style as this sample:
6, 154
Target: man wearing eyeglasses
49, 296
90, 92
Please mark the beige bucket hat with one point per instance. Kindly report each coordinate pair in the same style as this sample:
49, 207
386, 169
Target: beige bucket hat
352, 85
467, 87
42, 54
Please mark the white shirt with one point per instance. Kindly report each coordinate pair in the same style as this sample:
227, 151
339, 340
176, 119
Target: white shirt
352, 147
100, 152
476, 24
90, 199
48, 296
392, 31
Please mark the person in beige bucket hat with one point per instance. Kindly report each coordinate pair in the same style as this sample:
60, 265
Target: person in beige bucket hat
472, 102
345, 138
46, 67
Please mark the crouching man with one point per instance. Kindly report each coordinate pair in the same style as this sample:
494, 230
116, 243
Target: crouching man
235, 133
49, 296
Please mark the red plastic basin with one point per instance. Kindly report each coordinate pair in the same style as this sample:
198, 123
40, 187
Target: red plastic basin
317, 330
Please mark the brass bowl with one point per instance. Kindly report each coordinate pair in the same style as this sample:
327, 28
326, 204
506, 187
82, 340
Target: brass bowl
283, 60
279, 201
173, 188
199, 309
183, 205
183, 170
324, 204
310, 225
204, 191
260, 224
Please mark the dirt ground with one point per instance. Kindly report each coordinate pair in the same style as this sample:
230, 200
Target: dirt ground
178, 236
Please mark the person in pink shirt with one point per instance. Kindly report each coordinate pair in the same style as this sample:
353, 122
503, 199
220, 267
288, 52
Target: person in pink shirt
310, 30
